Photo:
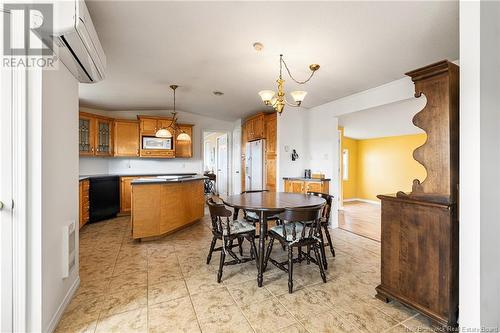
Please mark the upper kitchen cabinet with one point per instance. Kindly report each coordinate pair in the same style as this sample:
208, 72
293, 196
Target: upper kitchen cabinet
104, 137
150, 145
126, 138
95, 135
184, 148
149, 126
86, 134
255, 127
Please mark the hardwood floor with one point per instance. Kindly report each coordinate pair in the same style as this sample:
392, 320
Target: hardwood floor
361, 218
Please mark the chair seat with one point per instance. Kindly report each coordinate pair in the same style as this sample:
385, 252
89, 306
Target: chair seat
239, 227
255, 216
289, 229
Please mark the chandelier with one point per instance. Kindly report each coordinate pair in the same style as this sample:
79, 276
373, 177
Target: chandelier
164, 132
278, 100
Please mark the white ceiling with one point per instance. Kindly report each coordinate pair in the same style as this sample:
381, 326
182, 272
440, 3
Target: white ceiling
386, 120
207, 46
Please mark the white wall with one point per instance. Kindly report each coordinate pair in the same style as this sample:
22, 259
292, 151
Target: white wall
52, 192
479, 164
322, 146
91, 165
381, 121
291, 134
236, 167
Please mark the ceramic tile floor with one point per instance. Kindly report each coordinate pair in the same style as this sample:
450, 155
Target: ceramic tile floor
166, 286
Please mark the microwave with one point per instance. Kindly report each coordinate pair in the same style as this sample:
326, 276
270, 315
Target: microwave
156, 143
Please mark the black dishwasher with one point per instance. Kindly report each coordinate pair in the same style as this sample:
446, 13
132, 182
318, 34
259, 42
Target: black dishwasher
104, 197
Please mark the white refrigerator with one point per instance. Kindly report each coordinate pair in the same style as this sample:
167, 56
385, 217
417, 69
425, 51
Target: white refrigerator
255, 170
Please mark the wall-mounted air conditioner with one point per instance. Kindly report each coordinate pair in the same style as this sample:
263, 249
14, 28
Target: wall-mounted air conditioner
75, 41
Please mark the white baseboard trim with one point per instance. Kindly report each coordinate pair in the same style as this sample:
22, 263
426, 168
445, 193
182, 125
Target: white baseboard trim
57, 316
363, 200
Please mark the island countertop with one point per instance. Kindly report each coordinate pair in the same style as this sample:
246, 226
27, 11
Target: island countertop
163, 205
83, 177
308, 179
168, 179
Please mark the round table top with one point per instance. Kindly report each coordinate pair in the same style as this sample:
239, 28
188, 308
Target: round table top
272, 201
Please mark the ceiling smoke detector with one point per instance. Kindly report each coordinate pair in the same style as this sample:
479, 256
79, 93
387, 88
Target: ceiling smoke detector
258, 46
218, 93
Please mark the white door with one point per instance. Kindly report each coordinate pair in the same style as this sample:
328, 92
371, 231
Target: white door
222, 165
6, 251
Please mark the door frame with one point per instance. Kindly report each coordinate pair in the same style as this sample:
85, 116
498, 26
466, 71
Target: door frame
18, 108
229, 152
227, 160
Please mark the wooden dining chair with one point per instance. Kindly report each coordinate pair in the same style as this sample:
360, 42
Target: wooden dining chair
300, 228
325, 219
228, 230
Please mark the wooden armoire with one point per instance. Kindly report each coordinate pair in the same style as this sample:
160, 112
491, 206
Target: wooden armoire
419, 240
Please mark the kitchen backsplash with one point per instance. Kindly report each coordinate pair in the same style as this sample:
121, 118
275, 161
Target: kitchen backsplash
135, 166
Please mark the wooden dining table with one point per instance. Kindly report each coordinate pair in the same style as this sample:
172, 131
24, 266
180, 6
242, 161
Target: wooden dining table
266, 204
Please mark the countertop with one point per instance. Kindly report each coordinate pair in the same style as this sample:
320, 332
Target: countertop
308, 179
160, 180
83, 177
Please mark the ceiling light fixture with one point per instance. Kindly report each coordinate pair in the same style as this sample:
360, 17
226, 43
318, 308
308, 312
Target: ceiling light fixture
258, 46
164, 132
278, 101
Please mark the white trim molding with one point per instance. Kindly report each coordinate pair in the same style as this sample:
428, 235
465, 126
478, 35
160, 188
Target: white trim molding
69, 296
375, 202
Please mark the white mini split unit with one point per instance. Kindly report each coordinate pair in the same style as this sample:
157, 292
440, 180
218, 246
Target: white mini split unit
75, 41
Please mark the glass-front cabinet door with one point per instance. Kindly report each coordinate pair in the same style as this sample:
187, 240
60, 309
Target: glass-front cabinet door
86, 132
104, 143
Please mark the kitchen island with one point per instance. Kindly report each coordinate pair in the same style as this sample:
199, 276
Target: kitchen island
164, 204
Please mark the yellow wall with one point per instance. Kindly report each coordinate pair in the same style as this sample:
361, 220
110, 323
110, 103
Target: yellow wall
383, 166
349, 186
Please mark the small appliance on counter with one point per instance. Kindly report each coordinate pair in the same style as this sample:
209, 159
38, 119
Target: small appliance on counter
307, 173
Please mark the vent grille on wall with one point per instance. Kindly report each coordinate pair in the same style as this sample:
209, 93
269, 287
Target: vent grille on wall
69, 248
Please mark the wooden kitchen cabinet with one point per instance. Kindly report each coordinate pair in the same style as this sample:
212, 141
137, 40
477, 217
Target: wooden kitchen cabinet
270, 126
126, 137
184, 149
304, 186
125, 194
95, 135
294, 186
86, 134
149, 126
255, 127
83, 202
104, 137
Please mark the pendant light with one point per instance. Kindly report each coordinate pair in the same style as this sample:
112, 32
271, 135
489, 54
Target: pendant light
164, 132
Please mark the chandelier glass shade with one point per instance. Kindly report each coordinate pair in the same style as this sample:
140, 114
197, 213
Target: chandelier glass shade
278, 100
183, 137
165, 132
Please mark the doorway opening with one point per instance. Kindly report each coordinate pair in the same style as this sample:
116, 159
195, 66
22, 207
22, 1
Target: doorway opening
216, 159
